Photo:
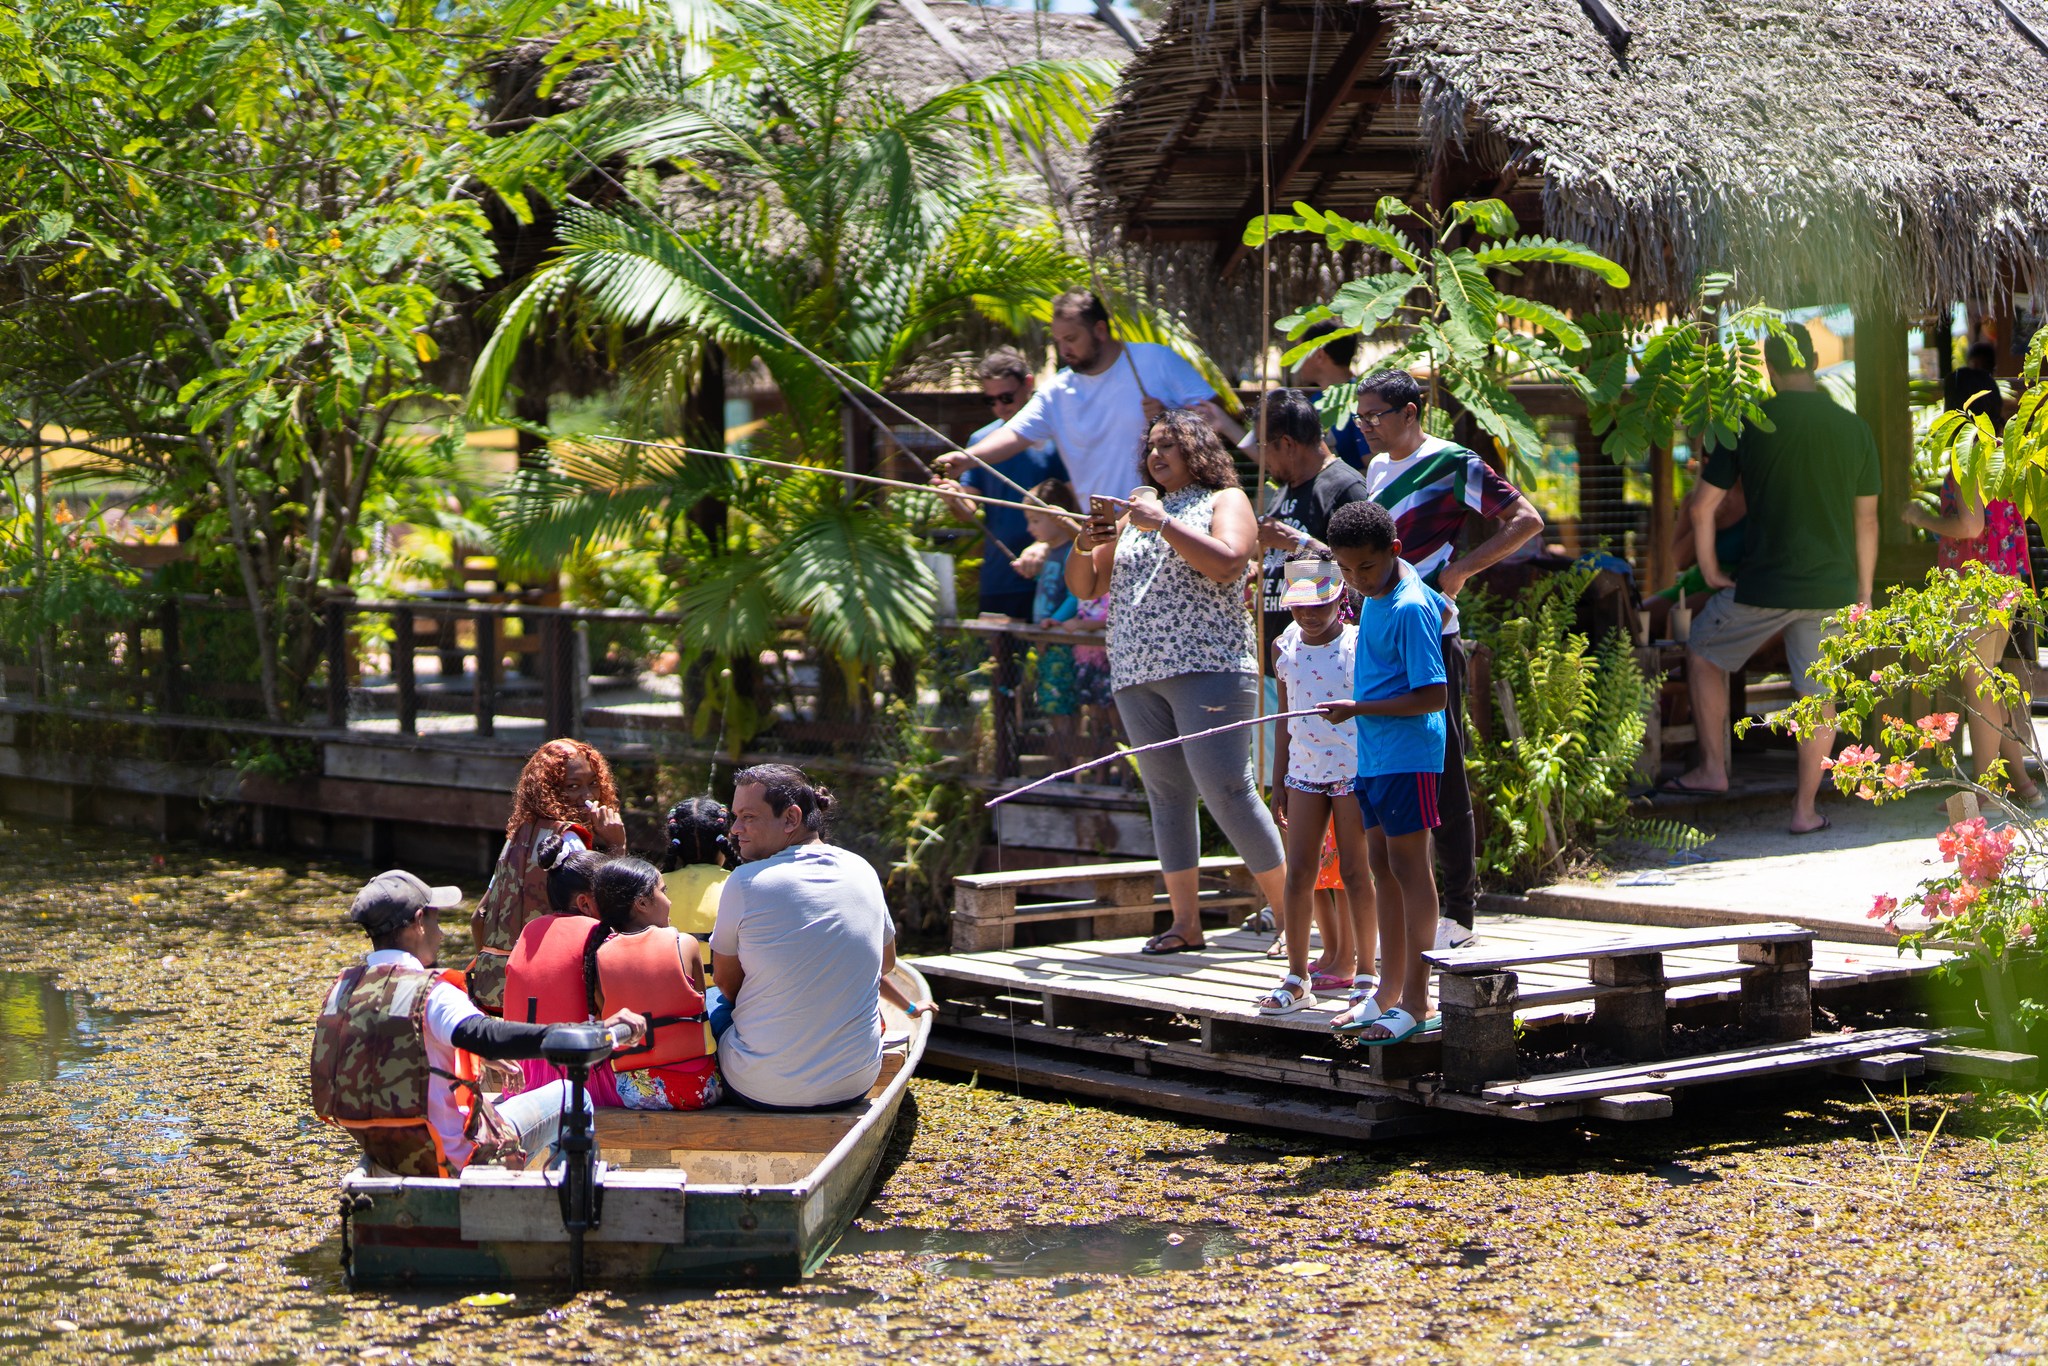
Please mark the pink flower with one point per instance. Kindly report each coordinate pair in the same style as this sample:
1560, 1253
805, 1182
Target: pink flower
1885, 907
1938, 727
1855, 756
1898, 774
1877, 675
1858, 613
2005, 603
1957, 836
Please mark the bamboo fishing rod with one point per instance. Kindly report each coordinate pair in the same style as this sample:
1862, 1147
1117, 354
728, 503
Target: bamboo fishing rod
1157, 744
1041, 508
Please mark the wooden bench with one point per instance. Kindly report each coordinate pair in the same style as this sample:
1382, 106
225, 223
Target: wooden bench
1126, 900
1480, 993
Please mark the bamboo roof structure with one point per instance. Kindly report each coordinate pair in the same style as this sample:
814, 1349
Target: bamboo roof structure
1878, 152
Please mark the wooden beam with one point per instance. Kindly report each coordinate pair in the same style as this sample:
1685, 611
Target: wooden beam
1246, 162
1290, 161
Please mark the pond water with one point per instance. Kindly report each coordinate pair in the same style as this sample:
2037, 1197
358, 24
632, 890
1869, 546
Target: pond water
166, 1196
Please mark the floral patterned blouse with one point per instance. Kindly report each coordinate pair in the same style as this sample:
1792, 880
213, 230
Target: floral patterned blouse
2002, 544
1167, 618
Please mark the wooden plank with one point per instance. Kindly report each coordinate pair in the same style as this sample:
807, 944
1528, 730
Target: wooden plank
1092, 829
525, 1207
1981, 1062
1710, 1067
737, 1130
410, 763
1630, 1105
1658, 941
1210, 899
1072, 1077
1086, 872
1882, 1067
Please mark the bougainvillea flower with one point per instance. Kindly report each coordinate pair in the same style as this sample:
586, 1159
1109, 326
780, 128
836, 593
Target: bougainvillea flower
1885, 907
1938, 727
1899, 774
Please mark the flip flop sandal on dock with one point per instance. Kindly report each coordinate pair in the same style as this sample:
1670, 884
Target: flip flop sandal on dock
1323, 981
1261, 921
1402, 1025
1158, 944
1361, 1011
1281, 1000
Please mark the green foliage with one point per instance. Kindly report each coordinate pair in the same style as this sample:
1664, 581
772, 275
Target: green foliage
1452, 314
933, 824
1560, 789
2012, 464
78, 577
1922, 641
1704, 373
236, 235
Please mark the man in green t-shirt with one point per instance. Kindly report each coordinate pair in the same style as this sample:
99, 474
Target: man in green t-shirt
1810, 550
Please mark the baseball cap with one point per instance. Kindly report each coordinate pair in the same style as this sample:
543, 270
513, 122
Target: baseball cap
1312, 583
390, 899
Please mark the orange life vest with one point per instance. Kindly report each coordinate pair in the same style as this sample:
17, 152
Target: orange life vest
659, 973
544, 976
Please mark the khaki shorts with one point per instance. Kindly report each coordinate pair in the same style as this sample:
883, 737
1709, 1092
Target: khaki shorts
1726, 633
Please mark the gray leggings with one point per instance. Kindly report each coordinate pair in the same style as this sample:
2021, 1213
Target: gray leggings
1218, 768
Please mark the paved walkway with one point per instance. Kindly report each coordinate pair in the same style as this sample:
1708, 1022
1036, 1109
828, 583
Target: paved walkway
1754, 870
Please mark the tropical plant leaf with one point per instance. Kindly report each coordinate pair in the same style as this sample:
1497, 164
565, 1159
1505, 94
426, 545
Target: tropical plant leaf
1551, 251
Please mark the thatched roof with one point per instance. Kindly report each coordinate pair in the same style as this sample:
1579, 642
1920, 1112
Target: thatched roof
1874, 151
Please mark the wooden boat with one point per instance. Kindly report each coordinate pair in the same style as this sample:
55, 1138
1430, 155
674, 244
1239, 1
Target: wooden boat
723, 1196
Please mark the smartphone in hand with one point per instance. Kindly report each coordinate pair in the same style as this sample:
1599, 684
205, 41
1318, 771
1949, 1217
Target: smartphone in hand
1102, 514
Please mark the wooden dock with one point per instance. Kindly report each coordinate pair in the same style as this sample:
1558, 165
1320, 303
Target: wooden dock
1182, 1033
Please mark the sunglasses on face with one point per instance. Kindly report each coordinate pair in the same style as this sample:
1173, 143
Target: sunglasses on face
1003, 399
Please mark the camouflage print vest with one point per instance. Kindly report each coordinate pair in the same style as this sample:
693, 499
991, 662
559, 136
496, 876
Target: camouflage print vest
370, 1074
518, 893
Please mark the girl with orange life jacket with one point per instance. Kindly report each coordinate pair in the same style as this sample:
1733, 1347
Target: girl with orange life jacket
544, 972
565, 791
638, 961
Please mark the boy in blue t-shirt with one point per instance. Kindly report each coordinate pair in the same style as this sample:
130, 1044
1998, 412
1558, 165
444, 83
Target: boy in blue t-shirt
1400, 693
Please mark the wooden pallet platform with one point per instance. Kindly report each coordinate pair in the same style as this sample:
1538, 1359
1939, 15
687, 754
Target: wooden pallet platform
1181, 1032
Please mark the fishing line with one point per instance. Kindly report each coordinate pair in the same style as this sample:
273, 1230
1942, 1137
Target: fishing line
758, 312
1224, 729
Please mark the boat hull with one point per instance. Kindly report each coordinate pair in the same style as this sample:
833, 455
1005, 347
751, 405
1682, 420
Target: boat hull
409, 1231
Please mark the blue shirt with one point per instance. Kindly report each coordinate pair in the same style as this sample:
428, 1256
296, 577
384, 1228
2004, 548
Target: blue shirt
1006, 533
1349, 444
1400, 649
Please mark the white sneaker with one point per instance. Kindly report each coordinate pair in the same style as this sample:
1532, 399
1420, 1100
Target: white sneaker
1451, 935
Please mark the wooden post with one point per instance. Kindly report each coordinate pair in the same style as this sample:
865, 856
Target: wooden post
1882, 371
558, 690
1663, 517
983, 918
1777, 1000
402, 649
1630, 1021
486, 675
1002, 704
172, 663
337, 664
1479, 1028
1134, 892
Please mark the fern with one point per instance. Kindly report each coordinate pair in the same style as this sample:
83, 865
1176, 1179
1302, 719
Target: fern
1583, 712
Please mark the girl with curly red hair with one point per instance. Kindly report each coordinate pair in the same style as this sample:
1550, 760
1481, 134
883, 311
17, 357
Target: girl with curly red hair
566, 790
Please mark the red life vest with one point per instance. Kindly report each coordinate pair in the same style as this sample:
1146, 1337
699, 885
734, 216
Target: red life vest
657, 972
544, 976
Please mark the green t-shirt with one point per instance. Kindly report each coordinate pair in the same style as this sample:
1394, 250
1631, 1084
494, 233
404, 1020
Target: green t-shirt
1800, 483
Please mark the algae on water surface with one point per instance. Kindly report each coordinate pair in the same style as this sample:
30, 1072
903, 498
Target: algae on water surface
165, 1194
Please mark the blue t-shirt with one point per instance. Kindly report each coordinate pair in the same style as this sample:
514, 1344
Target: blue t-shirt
1006, 533
1400, 649
1053, 593
1349, 444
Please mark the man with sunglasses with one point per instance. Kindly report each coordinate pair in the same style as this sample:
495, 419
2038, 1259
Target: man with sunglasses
1006, 385
1432, 487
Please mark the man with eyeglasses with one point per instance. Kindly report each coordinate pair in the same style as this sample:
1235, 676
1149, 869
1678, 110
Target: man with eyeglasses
1099, 406
1006, 587
1432, 486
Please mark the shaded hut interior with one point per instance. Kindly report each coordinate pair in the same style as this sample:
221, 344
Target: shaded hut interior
1878, 159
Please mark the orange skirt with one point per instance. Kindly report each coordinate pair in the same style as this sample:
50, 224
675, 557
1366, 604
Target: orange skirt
1328, 878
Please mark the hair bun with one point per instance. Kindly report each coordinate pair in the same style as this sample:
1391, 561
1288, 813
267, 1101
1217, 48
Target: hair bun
826, 801
549, 850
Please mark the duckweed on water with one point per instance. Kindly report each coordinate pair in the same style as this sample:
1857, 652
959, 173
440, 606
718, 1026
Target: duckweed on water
168, 1196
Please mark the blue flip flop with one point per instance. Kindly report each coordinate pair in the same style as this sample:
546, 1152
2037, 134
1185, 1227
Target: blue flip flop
1403, 1025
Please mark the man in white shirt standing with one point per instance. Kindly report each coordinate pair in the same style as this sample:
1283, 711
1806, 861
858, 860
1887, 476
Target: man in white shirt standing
1096, 410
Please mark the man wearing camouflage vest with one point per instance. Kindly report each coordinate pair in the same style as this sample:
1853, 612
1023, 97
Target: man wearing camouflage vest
387, 1049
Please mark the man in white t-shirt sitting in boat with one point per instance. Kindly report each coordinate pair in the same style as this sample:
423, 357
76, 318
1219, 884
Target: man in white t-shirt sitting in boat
1096, 410
802, 949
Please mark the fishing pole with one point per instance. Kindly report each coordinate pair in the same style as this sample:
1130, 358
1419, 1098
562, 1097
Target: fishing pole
1048, 511
1157, 744
759, 313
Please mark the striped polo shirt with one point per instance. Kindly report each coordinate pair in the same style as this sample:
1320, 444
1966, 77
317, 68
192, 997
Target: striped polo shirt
1430, 494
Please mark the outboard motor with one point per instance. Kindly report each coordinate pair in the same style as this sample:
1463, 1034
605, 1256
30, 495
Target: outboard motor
576, 1048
